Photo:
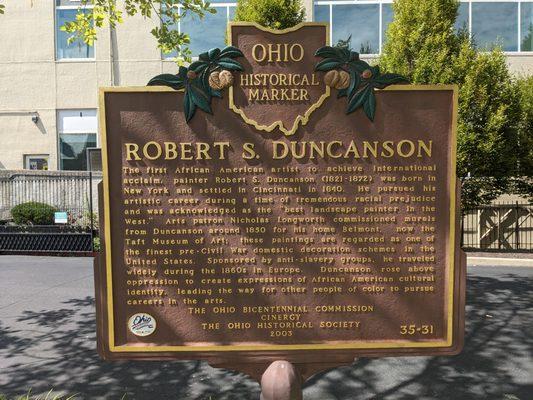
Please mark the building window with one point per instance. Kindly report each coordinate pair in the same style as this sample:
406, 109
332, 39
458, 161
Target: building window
387, 15
66, 11
495, 24
322, 13
360, 24
36, 162
463, 17
508, 24
363, 24
206, 33
526, 27
77, 132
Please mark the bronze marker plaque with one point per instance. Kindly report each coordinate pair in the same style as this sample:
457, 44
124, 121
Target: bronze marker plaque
232, 239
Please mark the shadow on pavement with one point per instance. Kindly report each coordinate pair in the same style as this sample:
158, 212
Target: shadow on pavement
499, 342
71, 332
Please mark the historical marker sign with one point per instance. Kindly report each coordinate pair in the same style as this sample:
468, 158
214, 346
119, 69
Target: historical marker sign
278, 225
279, 70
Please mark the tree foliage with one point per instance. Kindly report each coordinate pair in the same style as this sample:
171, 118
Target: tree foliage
423, 41
2, 8
524, 89
523, 183
89, 19
425, 47
528, 38
275, 14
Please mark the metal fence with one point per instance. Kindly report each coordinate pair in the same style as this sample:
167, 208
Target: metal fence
73, 193
504, 227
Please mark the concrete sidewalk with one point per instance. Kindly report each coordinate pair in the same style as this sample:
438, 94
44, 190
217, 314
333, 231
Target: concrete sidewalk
47, 340
500, 260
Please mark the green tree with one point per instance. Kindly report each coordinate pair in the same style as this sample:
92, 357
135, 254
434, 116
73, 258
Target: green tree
524, 88
88, 20
527, 42
424, 46
523, 183
2, 8
275, 14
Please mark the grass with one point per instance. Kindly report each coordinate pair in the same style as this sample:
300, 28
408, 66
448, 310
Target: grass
49, 396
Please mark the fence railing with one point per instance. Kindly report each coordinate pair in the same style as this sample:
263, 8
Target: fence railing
501, 227
73, 193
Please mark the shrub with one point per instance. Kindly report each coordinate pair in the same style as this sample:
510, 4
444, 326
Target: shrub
96, 245
524, 90
33, 213
84, 220
434, 52
275, 14
522, 184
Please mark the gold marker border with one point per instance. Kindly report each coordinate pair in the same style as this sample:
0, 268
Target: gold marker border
301, 119
390, 344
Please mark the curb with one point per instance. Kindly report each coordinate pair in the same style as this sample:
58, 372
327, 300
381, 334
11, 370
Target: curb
499, 261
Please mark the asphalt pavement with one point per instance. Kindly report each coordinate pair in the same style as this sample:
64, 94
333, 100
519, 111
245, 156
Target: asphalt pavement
47, 341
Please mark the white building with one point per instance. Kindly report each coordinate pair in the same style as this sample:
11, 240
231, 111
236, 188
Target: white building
48, 89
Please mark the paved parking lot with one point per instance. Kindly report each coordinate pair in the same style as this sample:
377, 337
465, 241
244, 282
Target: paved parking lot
47, 340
